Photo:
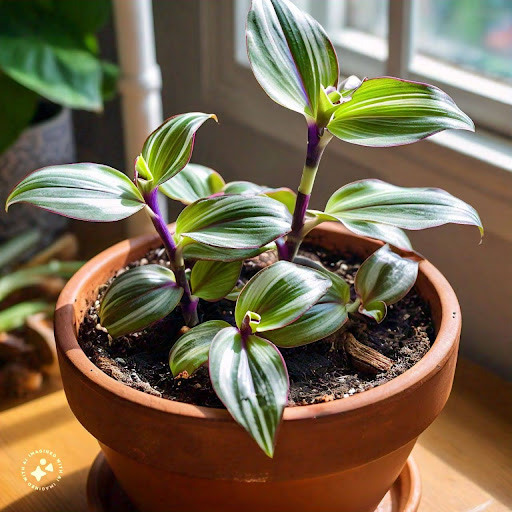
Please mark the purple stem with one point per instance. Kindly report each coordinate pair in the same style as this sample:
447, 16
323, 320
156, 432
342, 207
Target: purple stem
188, 303
313, 155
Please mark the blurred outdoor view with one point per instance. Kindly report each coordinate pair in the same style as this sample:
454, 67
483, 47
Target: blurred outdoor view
475, 35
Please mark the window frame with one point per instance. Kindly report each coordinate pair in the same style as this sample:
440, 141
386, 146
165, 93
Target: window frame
474, 166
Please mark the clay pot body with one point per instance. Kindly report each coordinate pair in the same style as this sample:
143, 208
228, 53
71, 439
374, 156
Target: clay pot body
341, 456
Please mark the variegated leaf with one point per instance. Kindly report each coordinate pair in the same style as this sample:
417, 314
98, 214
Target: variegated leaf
191, 350
169, 148
390, 112
138, 298
280, 294
213, 280
383, 279
88, 191
250, 377
192, 183
234, 221
290, 54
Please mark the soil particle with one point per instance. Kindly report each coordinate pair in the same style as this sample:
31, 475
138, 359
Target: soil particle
319, 372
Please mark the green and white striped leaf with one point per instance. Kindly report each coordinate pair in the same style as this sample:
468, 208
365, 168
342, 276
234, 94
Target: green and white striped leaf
383, 279
290, 54
169, 148
280, 294
87, 191
365, 206
192, 183
251, 379
320, 321
213, 280
391, 112
191, 350
283, 194
196, 251
390, 234
138, 298
234, 221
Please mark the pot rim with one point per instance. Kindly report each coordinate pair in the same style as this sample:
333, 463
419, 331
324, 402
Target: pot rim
66, 339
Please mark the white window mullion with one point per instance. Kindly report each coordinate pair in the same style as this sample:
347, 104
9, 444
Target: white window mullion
400, 43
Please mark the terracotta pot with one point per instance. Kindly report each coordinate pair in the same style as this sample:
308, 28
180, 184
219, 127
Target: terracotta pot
337, 456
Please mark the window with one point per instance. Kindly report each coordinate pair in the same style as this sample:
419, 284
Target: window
463, 46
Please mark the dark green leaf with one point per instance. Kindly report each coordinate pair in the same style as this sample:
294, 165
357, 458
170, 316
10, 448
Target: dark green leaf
16, 110
91, 192
138, 298
290, 54
250, 378
383, 279
192, 183
280, 294
45, 55
391, 112
233, 221
213, 280
169, 148
191, 350
196, 251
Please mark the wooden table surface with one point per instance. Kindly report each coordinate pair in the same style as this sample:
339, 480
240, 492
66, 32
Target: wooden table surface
465, 457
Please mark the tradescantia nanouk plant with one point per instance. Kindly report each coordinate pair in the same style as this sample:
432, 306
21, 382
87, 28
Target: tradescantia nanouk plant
295, 300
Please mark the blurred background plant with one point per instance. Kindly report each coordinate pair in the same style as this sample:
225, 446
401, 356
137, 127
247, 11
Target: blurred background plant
50, 62
49, 51
28, 290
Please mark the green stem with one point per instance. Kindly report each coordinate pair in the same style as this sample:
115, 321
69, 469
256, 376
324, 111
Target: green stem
354, 306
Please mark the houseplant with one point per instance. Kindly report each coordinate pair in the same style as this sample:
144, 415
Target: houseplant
49, 63
197, 457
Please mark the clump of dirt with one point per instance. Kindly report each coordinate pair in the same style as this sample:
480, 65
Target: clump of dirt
319, 372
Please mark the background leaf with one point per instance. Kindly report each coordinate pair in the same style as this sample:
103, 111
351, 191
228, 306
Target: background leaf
391, 112
280, 294
233, 221
137, 298
369, 202
191, 350
169, 148
252, 381
90, 192
42, 50
290, 54
192, 183
16, 110
383, 279
213, 280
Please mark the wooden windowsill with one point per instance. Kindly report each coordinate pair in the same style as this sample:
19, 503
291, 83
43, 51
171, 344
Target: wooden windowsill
465, 457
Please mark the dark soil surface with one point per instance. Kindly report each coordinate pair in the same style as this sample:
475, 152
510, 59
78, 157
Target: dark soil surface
319, 372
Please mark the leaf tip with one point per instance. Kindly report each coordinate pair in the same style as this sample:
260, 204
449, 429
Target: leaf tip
214, 117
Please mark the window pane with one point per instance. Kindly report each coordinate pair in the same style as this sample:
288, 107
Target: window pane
475, 35
367, 16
